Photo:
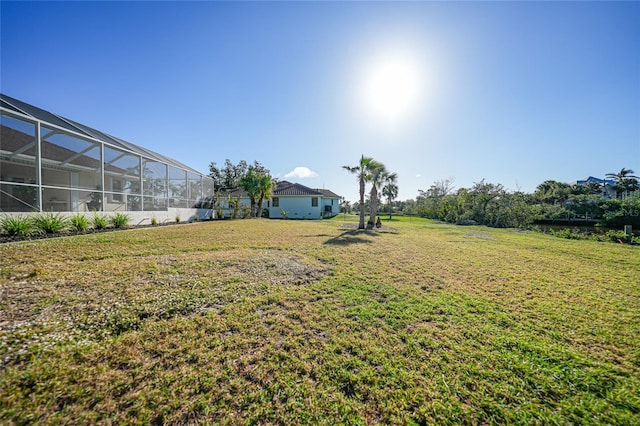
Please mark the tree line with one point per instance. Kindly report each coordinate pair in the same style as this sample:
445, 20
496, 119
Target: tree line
255, 179
491, 204
484, 203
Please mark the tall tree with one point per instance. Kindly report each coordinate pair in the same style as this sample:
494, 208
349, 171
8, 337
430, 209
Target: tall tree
229, 176
377, 178
390, 191
345, 205
250, 183
553, 192
590, 188
625, 181
265, 185
439, 189
258, 184
483, 196
363, 172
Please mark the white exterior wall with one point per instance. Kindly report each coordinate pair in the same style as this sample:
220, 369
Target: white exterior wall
144, 218
139, 218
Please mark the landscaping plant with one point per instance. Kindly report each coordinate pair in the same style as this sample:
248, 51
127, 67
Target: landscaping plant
79, 222
16, 225
120, 220
99, 221
50, 223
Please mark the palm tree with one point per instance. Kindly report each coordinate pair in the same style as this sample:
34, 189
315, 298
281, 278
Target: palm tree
265, 185
378, 177
234, 205
249, 183
625, 181
363, 172
390, 191
553, 192
622, 174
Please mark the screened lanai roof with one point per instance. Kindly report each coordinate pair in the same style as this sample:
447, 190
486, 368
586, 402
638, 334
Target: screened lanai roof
24, 108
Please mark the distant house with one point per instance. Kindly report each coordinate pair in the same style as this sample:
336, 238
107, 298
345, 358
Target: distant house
293, 201
607, 185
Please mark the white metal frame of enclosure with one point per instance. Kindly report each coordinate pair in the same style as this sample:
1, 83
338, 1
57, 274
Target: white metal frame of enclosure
41, 186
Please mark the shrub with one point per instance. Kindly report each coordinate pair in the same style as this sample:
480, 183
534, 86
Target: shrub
99, 222
619, 236
79, 222
20, 226
568, 234
246, 210
177, 218
154, 221
50, 223
120, 220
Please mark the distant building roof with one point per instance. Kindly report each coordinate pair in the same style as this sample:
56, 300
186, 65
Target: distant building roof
286, 188
591, 179
607, 182
237, 192
328, 193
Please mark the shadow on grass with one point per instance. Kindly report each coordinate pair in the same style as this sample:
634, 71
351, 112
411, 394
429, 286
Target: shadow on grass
352, 237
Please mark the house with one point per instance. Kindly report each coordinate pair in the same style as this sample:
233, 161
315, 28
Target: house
52, 163
292, 201
608, 186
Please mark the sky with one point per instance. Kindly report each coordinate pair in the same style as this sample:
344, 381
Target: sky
514, 93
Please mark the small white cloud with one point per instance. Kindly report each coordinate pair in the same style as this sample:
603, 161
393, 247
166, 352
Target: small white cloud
301, 173
418, 175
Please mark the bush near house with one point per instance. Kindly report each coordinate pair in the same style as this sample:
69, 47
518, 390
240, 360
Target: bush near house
50, 223
16, 225
120, 220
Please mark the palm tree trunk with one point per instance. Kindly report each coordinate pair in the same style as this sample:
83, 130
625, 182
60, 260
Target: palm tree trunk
373, 208
259, 206
361, 224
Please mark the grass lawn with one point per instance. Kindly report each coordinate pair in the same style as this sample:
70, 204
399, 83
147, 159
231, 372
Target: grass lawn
302, 322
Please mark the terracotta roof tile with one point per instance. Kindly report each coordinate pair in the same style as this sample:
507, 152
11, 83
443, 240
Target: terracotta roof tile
328, 193
286, 188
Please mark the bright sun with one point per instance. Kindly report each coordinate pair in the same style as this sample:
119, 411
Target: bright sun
392, 88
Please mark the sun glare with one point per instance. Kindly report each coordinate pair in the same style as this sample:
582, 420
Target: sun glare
392, 88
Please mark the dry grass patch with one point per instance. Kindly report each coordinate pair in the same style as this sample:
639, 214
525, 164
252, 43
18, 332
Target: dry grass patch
307, 323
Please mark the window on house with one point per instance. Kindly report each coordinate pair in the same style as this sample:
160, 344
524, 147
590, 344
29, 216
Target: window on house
314, 201
275, 201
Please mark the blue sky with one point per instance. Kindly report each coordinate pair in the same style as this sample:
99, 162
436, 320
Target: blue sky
511, 92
